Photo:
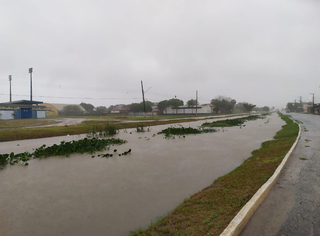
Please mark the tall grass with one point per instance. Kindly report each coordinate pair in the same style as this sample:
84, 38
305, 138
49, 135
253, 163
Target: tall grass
103, 130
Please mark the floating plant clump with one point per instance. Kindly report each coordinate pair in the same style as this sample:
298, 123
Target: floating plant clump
232, 122
111, 155
63, 149
140, 128
182, 131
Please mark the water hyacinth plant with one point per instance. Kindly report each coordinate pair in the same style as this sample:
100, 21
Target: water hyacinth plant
182, 131
233, 122
85, 145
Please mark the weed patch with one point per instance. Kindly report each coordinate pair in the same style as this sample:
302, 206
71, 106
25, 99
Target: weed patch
103, 130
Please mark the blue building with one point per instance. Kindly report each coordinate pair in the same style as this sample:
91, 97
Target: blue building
22, 109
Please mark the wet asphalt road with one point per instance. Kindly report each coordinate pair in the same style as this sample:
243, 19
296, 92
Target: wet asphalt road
292, 208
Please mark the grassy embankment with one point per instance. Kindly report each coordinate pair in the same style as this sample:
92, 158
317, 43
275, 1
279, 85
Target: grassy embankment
83, 128
22, 123
124, 117
209, 211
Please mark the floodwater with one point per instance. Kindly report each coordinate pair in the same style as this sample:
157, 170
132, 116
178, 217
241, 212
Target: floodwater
80, 195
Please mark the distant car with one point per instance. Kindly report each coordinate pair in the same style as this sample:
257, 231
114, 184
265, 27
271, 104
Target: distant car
287, 111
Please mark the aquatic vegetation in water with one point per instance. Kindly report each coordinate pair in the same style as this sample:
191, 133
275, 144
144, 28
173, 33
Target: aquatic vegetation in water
63, 149
233, 122
140, 128
182, 131
111, 155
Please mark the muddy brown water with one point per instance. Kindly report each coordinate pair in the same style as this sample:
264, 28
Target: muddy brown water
81, 195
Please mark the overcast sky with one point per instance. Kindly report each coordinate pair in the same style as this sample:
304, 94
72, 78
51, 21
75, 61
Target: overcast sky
98, 51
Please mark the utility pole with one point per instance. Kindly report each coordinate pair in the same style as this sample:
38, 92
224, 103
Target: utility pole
30, 71
312, 102
10, 78
196, 102
144, 103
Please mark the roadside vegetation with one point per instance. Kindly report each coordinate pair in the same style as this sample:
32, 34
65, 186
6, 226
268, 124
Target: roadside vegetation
209, 211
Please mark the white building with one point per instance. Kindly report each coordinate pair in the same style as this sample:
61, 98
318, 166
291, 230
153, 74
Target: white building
185, 110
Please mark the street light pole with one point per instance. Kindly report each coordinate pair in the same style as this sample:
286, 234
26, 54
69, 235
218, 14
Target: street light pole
30, 71
312, 102
144, 103
196, 102
10, 78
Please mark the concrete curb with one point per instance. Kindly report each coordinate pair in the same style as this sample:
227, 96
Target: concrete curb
243, 216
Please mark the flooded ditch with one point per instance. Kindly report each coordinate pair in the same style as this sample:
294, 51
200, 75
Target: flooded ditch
81, 195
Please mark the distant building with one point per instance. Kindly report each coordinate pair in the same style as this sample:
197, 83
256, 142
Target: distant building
22, 109
155, 109
186, 110
52, 109
117, 110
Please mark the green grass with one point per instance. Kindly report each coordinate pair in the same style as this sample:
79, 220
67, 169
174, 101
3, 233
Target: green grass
22, 123
133, 118
209, 211
83, 128
303, 159
16, 131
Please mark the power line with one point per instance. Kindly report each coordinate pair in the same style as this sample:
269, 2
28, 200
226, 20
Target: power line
23, 95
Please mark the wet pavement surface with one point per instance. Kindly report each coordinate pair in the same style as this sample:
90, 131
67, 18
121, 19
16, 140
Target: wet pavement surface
81, 195
292, 208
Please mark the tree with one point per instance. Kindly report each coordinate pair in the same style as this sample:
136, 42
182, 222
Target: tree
223, 104
293, 106
248, 106
192, 103
138, 107
148, 106
71, 110
101, 110
175, 103
162, 105
239, 106
265, 108
135, 107
87, 106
